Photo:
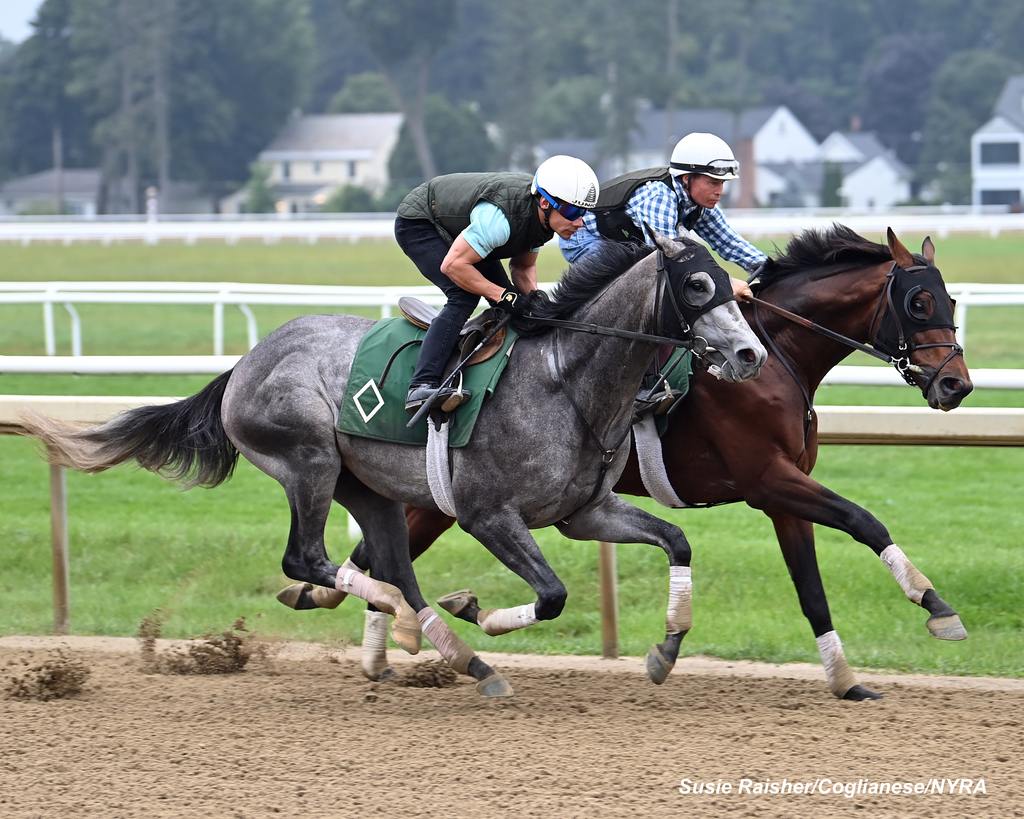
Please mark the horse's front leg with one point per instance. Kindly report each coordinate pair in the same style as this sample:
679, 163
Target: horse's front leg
796, 539
615, 521
785, 489
506, 536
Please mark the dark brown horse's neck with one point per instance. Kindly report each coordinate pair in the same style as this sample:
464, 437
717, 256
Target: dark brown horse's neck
846, 303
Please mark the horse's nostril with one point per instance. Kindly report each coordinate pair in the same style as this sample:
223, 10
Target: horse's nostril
748, 356
955, 386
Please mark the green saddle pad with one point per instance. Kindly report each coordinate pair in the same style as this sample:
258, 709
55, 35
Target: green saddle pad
371, 409
681, 362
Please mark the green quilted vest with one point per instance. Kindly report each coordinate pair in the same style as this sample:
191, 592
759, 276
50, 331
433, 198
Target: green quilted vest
446, 202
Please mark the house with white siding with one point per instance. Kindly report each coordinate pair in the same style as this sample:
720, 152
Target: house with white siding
314, 155
997, 151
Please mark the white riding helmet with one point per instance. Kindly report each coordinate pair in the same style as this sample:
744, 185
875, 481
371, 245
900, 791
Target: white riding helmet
705, 154
567, 179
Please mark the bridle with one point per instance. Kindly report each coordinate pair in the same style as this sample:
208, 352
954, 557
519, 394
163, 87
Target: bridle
669, 317
891, 341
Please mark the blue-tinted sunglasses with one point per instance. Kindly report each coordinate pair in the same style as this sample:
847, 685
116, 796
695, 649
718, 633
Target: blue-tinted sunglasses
569, 211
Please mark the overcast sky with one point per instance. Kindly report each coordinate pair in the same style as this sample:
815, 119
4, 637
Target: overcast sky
15, 16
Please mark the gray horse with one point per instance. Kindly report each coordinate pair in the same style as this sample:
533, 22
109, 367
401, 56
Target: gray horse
546, 451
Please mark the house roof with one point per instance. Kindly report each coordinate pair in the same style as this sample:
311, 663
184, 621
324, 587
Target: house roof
869, 146
659, 129
324, 134
76, 182
1010, 104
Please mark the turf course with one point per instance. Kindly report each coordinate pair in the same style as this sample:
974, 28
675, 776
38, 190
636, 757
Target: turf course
207, 556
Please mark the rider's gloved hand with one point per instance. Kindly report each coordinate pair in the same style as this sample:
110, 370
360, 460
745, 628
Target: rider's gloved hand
513, 302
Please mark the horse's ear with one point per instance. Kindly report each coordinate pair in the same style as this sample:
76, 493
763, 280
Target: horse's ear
664, 243
900, 254
928, 250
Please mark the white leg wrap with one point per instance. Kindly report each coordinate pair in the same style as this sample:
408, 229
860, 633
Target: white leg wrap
680, 593
837, 672
455, 652
913, 583
330, 598
375, 634
502, 621
382, 595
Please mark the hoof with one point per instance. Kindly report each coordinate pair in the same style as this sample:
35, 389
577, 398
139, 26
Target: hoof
948, 627
293, 594
859, 693
456, 602
405, 630
658, 665
494, 686
385, 674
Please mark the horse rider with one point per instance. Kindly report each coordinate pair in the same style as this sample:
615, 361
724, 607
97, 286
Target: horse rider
458, 227
683, 195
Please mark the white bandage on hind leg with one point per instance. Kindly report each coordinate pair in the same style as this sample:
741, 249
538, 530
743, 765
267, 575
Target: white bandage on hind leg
502, 621
680, 593
455, 652
913, 583
382, 595
375, 635
837, 672
331, 598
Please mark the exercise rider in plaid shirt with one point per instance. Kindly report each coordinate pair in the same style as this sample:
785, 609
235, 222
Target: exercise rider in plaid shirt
682, 197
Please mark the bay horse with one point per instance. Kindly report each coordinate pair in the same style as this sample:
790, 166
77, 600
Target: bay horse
547, 446
757, 442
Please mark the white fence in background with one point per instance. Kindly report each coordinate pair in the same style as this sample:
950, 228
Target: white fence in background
245, 296
218, 295
312, 228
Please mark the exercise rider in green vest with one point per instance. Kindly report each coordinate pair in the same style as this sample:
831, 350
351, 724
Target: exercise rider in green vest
457, 228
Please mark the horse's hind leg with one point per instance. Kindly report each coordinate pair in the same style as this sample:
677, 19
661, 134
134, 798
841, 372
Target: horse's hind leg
385, 549
796, 538
615, 521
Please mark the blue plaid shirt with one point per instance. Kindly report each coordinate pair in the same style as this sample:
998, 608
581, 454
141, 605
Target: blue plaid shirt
655, 204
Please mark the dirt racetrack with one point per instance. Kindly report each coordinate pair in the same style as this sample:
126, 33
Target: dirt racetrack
307, 736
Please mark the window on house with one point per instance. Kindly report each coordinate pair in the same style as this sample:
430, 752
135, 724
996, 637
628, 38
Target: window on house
286, 170
1000, 153
351, 169
316, 167
1000, 197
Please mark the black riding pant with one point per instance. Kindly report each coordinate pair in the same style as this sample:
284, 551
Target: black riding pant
421, 242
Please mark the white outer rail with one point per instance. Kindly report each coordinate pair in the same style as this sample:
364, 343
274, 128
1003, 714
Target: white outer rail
243, 296
312, 228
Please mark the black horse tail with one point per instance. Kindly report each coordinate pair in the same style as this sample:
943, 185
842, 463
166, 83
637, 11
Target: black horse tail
183, 441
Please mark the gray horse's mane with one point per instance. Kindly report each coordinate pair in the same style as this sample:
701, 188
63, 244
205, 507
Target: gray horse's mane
587, 277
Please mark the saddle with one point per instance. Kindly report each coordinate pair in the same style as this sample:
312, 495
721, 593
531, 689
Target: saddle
421, 314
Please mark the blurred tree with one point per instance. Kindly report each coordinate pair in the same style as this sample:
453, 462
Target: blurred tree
570, 107
963, 92
350, 199
404, 51
42, 126
259, 196
364, 93
832, 180
458, 141
895, 84
338, 52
